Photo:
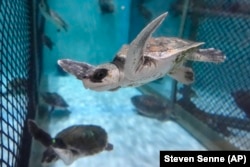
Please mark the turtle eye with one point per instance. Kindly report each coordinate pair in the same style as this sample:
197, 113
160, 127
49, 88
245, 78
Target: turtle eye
98, 75
75, 152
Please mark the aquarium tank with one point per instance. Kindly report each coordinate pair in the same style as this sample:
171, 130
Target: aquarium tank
114, 82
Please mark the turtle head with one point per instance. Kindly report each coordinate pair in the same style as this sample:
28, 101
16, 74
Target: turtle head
49, 156
99, 78
66, 155
65, 152
60, 150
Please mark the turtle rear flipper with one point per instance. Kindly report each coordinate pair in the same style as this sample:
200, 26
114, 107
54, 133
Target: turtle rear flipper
109, 147
39, 134
208, 55
182, 74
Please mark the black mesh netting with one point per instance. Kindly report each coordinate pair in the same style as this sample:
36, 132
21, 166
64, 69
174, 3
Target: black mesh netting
223, 91
15, 77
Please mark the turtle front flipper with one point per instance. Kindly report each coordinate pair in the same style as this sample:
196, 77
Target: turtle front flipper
182, 74
207, 55
39, 134
75, 68
134, 57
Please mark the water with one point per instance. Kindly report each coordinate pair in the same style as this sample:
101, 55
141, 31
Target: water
95, 38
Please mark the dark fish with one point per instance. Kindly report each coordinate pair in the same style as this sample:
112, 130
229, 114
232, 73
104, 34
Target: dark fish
16, 86
151, 106
145, 12
242, 99
48, 42
52, 16
106, 6
54, 100
71, 143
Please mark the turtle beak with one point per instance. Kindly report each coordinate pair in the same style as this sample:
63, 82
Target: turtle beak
75, 68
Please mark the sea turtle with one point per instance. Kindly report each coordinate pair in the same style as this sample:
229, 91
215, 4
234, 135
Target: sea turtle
153, 107
54, 100
144, 60
51, 16
71, 143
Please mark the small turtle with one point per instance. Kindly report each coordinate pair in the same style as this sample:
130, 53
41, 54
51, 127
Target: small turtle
153, 107
51, 16
54, 100
144, 60
71, 143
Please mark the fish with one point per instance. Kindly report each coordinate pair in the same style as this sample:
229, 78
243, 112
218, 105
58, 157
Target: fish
16, 86
145, 12
106, 6
52, 16
54, 100
153, 107
242, 100
48, 42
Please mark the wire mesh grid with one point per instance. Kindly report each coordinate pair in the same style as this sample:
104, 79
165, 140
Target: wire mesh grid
15, 67
223, 90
